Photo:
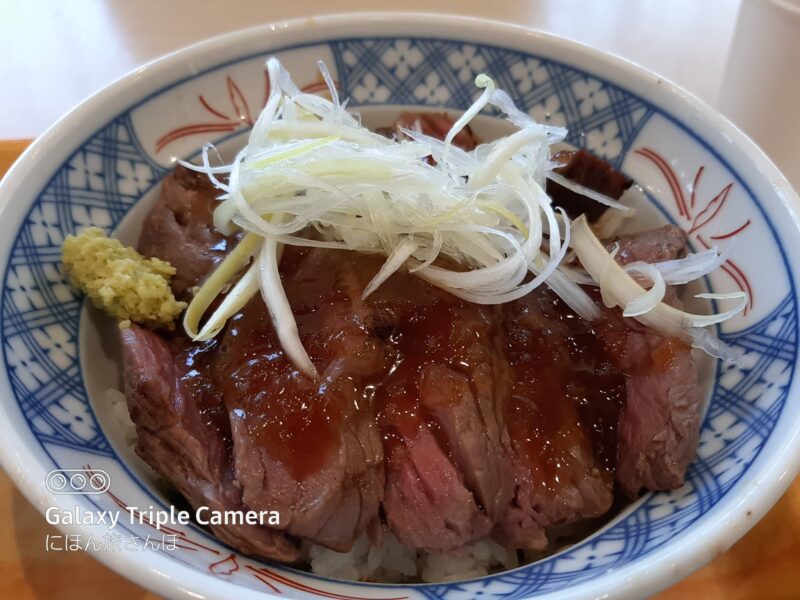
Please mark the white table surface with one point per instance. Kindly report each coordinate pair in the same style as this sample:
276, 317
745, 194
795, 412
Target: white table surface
54, 53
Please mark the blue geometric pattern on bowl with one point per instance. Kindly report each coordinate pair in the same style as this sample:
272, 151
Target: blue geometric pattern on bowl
603, 118
96, 186
111, 171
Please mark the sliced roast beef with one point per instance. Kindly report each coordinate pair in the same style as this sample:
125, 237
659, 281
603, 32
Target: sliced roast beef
478, 445
656, 245
589, 171
179, 228
659, 425
309, 449
427, 504
183, 433
561, 415
443, 400
450, 356
457, 420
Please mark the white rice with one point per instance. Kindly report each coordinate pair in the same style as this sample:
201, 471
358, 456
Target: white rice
392, 562
119, 409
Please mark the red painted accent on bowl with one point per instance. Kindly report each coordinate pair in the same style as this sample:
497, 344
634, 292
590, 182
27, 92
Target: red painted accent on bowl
698, 220
226, 566
263, 572
240, 109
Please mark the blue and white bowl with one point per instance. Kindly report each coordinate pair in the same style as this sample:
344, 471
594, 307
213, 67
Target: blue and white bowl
102, 164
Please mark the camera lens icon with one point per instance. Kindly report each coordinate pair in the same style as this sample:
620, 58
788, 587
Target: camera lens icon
77, 481
57, 482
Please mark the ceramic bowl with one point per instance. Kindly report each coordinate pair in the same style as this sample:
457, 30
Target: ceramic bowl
102, 163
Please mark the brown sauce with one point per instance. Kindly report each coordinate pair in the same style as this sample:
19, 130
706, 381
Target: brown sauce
293, 419
566, 398
419, 337
561, 402
197, 383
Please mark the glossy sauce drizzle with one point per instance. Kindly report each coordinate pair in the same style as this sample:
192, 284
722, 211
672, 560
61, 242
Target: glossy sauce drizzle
565, 402
561, 402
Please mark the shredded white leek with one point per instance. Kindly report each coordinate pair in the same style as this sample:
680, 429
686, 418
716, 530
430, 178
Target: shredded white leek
649, 299
620, 289
396, 259
245, 289
584, 191
311, 175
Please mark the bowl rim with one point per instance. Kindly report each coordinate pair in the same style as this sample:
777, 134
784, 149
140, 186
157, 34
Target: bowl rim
682, 556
